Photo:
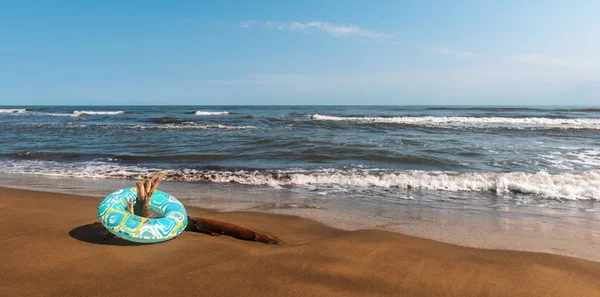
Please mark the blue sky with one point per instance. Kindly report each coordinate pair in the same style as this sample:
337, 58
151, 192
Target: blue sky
300, 52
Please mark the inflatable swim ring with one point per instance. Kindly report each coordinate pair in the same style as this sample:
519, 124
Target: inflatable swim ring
113, 214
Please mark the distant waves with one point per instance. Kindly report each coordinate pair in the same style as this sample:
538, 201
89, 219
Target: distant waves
200, 112
474, 122
573, 122
13, 110
75, 113
84, 112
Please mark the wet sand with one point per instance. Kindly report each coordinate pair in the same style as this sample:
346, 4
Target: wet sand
558, 227
48, 248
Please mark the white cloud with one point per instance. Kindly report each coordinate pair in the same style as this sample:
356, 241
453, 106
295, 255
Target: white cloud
246, 24
453, 52
334, 30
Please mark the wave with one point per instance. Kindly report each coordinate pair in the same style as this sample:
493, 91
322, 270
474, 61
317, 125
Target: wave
200, 112
58, 114
193, 126
570, 186
506, 108
181, 126
573, 158
13, 110
583, 185
77, 113
489, 108
471, 122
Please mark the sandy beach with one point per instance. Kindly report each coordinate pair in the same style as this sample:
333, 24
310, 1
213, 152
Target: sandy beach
300, 148
50, 249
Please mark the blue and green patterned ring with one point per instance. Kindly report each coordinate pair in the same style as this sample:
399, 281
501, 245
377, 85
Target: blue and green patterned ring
113, 214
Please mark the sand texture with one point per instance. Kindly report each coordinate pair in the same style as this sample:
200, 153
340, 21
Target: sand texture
48, 248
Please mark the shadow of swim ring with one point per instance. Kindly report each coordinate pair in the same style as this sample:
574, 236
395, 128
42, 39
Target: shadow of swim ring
90, 233
113, 214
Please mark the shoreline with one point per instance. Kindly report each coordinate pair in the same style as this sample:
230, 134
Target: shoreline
47, 238
473, 222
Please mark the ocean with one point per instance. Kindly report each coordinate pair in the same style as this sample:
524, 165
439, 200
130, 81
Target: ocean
369, 166
513, 152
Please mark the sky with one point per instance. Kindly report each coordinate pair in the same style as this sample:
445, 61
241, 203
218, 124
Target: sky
449, 52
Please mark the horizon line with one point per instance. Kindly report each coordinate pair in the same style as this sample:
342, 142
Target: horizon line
303, 105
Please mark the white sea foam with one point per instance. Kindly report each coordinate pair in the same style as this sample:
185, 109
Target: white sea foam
200, 112
573, 158
192, 126
182, 126
481, 122
571, 186
28, 112
58, 114
583, 185
12, 110
77, 113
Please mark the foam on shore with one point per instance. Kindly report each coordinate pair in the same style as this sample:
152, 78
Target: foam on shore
584, 185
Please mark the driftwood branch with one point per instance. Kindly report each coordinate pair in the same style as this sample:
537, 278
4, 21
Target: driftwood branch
146, 187
214, 227
130, 206
154, 181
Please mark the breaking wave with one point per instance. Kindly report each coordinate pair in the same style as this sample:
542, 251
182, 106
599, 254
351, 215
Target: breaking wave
192, 126
583, 185
472, 122
58, 114
200, 112
542, 109
180, 126
12, 110
77, 113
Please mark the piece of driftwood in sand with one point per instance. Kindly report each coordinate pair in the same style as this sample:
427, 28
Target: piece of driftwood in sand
147, 186
214, 227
